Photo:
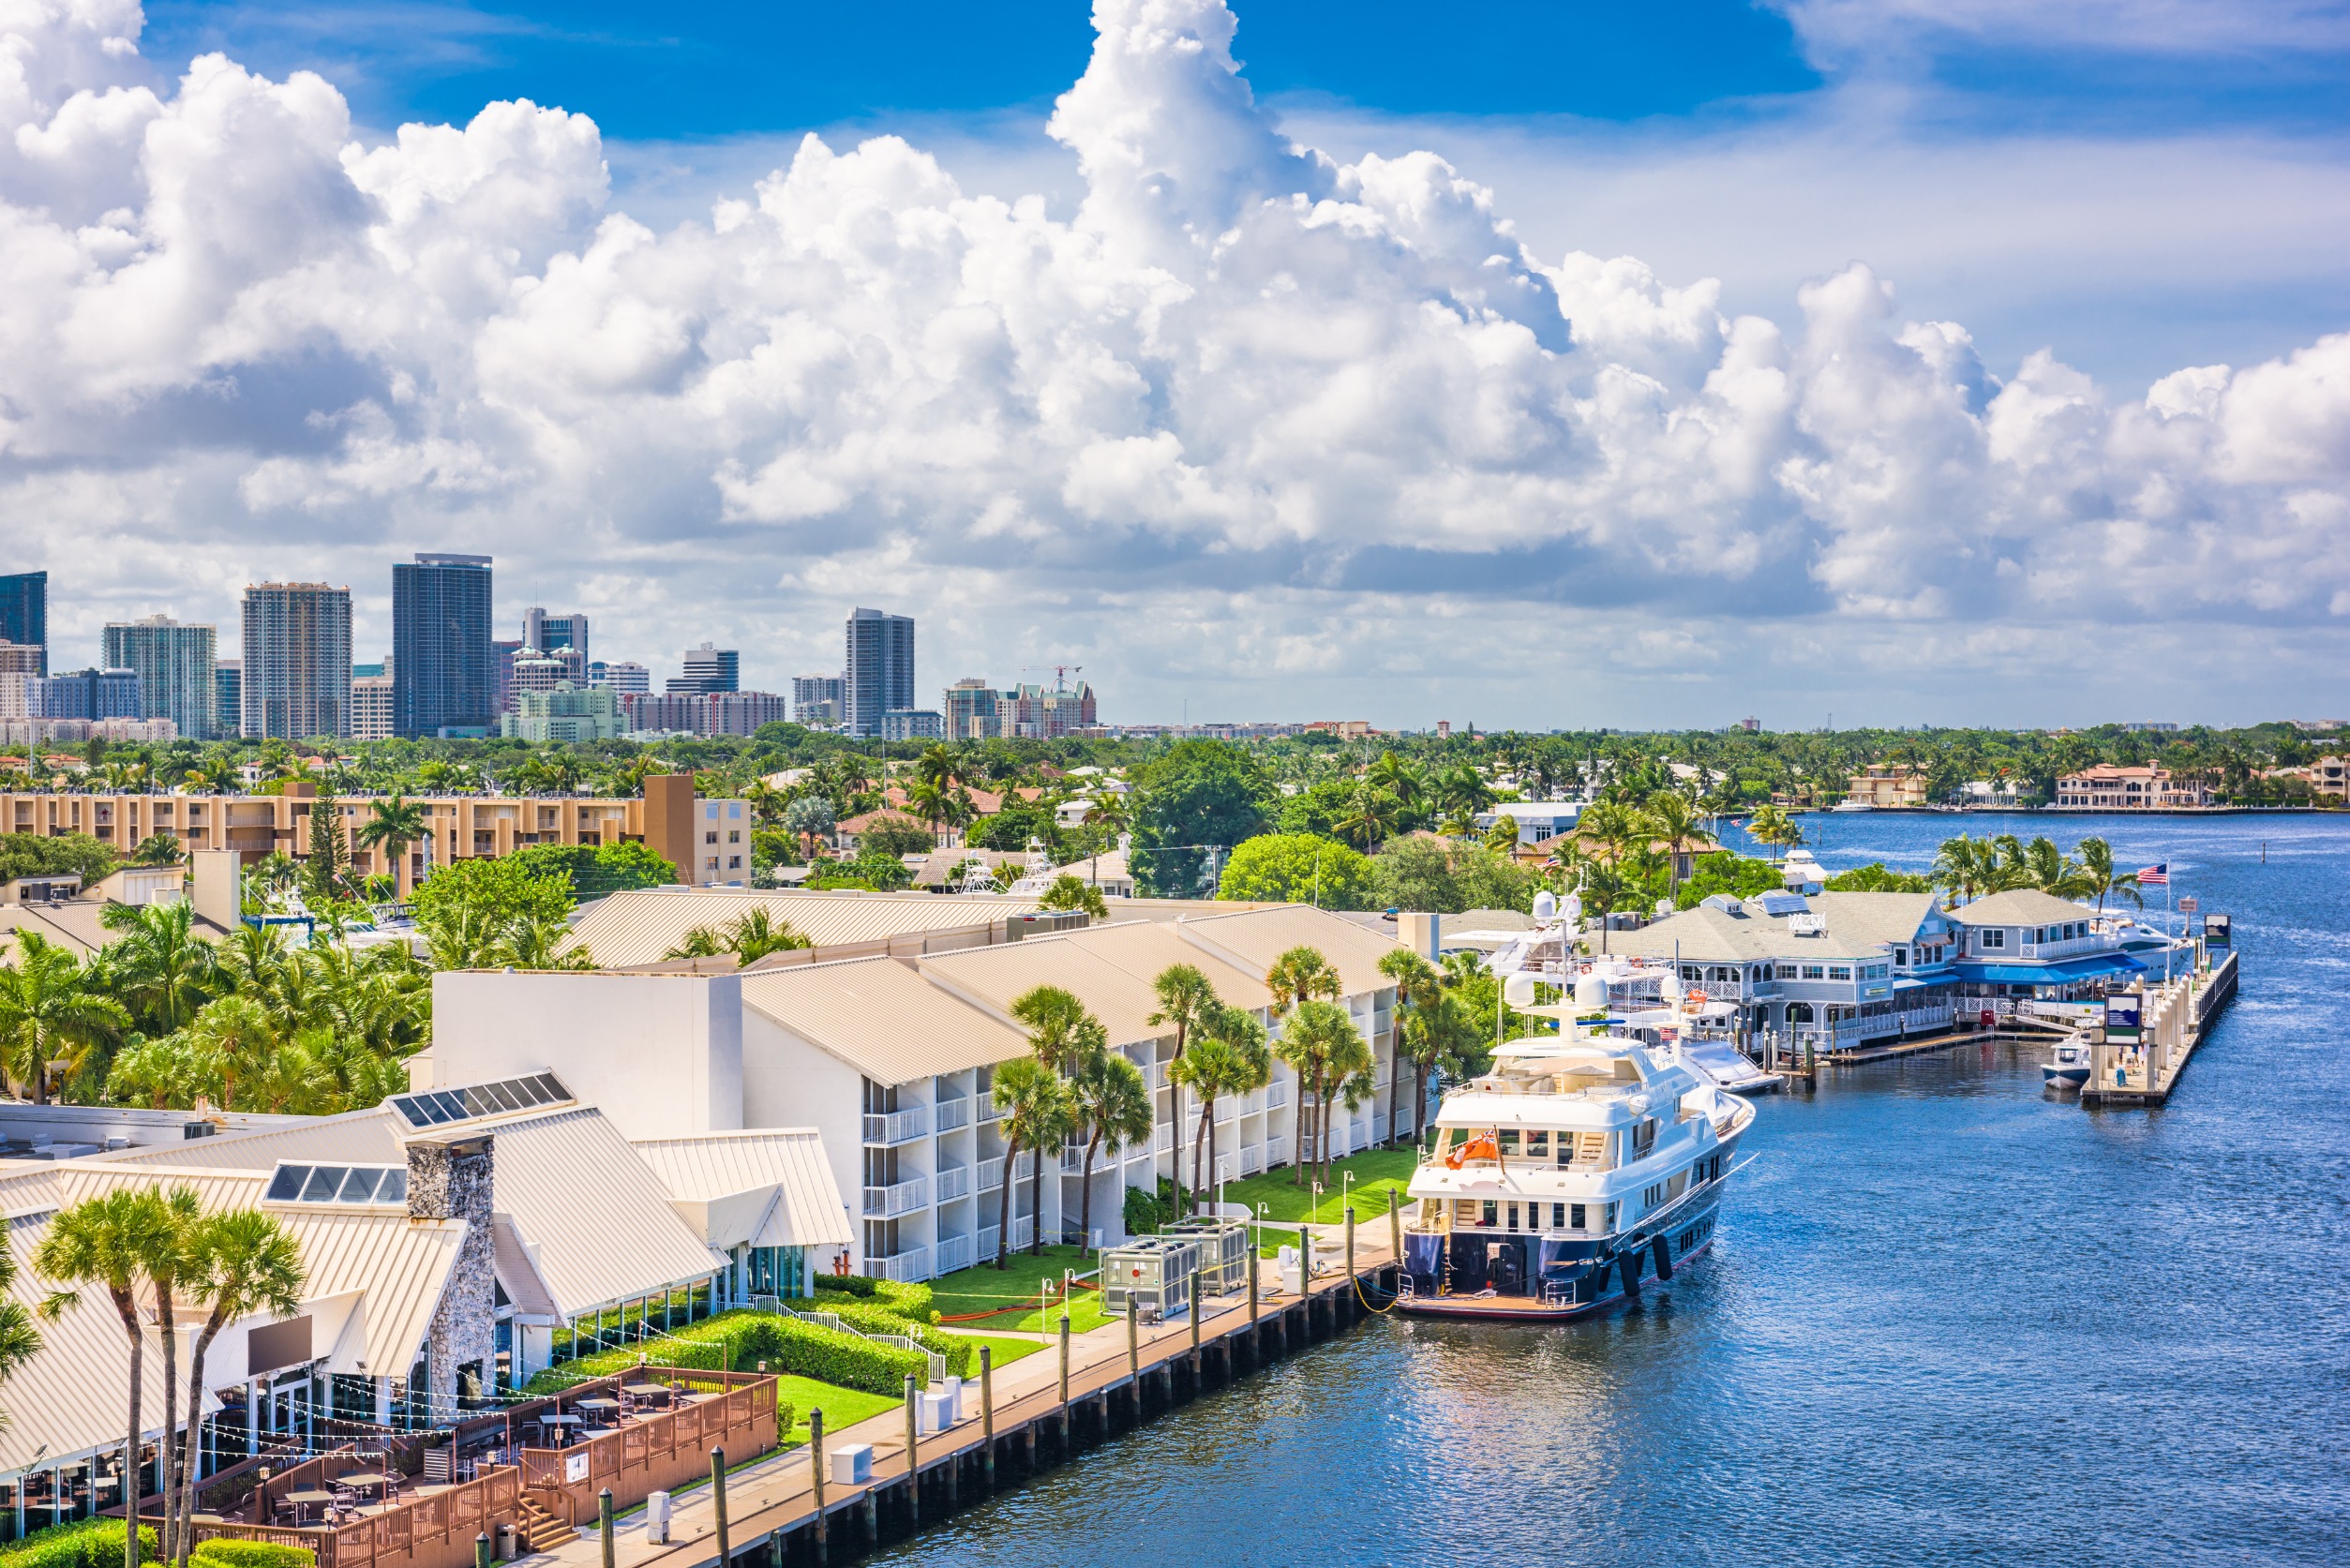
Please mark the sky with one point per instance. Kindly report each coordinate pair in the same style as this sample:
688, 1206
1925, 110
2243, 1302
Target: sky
1512, 364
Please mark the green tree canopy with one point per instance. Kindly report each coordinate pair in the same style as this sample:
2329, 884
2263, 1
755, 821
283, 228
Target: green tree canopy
1299, 868
1199, 792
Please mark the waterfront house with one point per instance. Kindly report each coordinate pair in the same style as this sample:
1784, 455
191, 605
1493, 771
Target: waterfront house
2110, 787
1888, 786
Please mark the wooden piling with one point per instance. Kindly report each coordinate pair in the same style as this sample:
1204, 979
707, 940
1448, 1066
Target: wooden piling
816, 1472
718, 1501
987, 1413
913, 1452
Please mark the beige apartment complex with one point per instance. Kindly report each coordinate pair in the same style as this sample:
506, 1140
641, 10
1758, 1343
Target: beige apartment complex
691, 833
1888, 787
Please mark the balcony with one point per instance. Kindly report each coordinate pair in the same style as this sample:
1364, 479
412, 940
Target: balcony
991, 1170
1163, 1138
953, 1182
953, 1114
1022, 1228
896, 1127
1252, 1161
955, 1252
1276, 1150
888, 1203
1275, 1096
905, 1267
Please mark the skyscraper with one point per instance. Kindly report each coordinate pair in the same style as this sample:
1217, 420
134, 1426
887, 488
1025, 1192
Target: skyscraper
228, 695
175, 671
880, 671
296, 679
624, 675
24, 612
90, 694
548, 633
816, 699
442, 677
708, 669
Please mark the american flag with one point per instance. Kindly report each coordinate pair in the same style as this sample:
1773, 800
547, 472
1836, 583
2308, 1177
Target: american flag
2154, 876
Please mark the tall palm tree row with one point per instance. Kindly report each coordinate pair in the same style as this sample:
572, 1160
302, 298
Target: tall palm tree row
1187, 1000
1968, 868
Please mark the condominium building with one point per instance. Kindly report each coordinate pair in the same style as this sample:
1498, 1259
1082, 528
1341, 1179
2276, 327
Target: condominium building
566, 713
968, 710
972, 711
541, 670
816, 699
87, 693
912, 724
708, 669
668, 820
228, 696
174, 664
443, 676
24, 613
548, 633
374, 712
623, 676
703, 713
1889, 787
502, 653
297, 661
879, 673
17, 658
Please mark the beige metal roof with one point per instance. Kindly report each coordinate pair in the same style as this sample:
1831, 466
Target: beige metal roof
882, 1017
71, 1396
1254, 938
788, 1162
599, 1217
1145, 948
2021, 906
995, 978
356, 1138
518, 1270
639, 926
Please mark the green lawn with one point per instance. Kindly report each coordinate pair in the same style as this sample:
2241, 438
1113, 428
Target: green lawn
1009, 1294
1376, 1171
843, 1408
1007, 1349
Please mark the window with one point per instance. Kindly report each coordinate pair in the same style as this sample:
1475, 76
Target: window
710, 837
1575, 1215
1537, 1144
1995, 939
1558, 1217
1491, 1215
1901, 955
1787, 972
734, 862
1513, 1217
1839, 971
734, 835
1815, 972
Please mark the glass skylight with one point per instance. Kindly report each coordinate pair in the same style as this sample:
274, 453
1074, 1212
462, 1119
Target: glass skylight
373, 1185
440, 1107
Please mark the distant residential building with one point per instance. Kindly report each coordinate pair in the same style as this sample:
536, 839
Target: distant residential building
174, 664
373, 715
548, 633
912, 724
17, 658
623, 677
968, 710
566, 713
817, 700
972, 710
2110, 787
87, 693
1345, 729
703, 713
228, 696
503, 651
708, 669
536, 670
24, 612
443, 676
2328, 777
135, 732
880, 672
297, 661
2145, 727
1891, 786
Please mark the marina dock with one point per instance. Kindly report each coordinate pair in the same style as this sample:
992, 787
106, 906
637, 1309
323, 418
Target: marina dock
2175, 1018
1042, 1411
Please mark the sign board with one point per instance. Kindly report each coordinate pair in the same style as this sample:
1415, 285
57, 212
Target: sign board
2215, 930
2188, 905
2123, 1016
270, 1346
574, 1468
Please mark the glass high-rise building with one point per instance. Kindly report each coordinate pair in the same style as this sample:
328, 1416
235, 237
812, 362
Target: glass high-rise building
174, 663
228, 696
881, 669
546, 632
708, 669
296, 677
443, 676
24, 612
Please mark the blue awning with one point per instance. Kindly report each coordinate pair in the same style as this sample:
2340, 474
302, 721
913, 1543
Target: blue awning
1916, 985
2061, 972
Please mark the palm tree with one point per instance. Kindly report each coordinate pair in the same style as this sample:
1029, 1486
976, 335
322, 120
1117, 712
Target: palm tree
1370, 816
1113, 1105
535, 941
1231, 1058
238, 1264
20, 1341
1330, 1058
397, 822
1036, 1111
1962, 866
1417, 984
1061, 1029
1461, 792
1771, 826
160, 963
1300, 973
750, 937
158, 1073
1437, 1033
233, 1041
1187, 1000
49, 1013
1672, 819
2098, 875
114, 1241
1069, 892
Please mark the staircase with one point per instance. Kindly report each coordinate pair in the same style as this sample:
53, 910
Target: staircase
540, 1530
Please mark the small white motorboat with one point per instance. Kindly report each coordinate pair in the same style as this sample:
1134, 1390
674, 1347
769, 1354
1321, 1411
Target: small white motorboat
2069, 1067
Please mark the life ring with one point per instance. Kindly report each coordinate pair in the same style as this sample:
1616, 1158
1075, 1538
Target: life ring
1694, 998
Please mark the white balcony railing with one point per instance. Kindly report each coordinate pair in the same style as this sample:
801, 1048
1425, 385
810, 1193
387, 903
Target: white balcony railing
1252, 1161
954, 1181
904, 1267
1073, 1159
1276, 1149
1023, 1230
991, 1173
896, 1127
953, 1114
1163, 1138
954, 1252
1226, 1110
986, 1250
1275, 1096
888, 1203
1378, 1126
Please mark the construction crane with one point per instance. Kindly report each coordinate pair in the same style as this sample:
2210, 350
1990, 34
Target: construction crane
1060, 673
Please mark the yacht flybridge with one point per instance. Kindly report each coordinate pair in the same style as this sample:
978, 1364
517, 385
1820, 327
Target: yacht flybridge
1586, 1162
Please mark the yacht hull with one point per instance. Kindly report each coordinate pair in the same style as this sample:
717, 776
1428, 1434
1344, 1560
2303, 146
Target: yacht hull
1693, 1228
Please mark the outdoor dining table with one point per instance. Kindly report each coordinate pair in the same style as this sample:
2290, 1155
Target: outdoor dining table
646, 1390
595, 1404
308, 1498
364, 1478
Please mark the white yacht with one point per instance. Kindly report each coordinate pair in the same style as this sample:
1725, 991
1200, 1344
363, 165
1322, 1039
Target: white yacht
1585, 1163
2068, 1065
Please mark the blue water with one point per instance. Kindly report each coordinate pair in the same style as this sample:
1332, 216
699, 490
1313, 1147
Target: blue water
1950, 1318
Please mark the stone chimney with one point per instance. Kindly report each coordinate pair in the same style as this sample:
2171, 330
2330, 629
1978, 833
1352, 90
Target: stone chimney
457, 1181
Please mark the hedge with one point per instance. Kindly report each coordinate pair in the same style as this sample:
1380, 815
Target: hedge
739, 1341
873, 1318
906, 1301
91, 1544
251, 1554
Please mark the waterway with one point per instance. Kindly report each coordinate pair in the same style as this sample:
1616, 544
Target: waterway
1951, 1319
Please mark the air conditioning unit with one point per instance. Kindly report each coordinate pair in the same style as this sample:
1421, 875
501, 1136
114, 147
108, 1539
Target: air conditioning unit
1807, 925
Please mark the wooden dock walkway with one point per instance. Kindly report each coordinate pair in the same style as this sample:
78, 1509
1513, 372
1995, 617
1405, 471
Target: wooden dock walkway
2174, 1020
1042, 1411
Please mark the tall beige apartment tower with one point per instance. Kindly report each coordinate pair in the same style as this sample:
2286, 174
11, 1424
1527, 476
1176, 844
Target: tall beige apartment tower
297, 661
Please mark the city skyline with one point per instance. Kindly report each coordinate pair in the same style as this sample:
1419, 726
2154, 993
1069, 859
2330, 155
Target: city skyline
1912, 395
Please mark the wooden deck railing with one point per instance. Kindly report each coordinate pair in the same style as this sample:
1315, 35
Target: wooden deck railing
734, 1411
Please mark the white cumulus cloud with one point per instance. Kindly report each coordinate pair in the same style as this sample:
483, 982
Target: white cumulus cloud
1250, 415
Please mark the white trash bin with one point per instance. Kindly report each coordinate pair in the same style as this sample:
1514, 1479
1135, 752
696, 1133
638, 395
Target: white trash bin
938, 1411
852, 1464
657, 1518
954, 1400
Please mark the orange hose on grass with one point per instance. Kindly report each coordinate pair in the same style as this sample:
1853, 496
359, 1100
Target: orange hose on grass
1032, 1303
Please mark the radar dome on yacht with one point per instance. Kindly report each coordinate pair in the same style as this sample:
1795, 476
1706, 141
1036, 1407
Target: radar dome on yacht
1518, 990
1590, 994
1546, 907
